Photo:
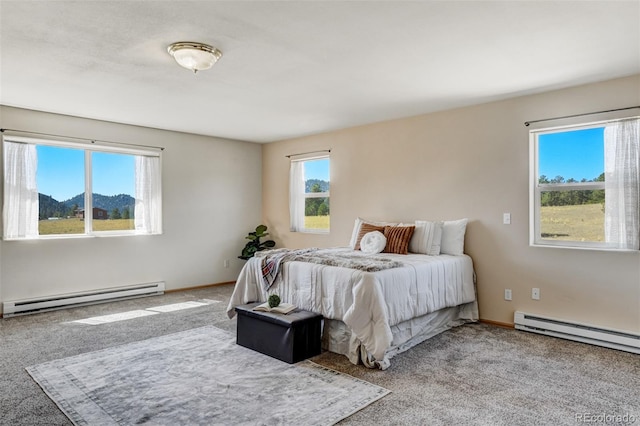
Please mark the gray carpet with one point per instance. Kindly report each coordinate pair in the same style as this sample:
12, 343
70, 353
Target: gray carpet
475, 375
485, 375
198, 377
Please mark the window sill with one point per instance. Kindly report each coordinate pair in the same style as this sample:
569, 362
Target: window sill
605, 249
105, 234
314, 231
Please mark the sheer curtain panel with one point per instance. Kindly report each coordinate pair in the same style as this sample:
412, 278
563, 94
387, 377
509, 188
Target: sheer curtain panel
296, 195
622, 184
148, 212
20, 211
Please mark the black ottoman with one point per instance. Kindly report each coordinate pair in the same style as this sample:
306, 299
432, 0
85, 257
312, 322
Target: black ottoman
290, 338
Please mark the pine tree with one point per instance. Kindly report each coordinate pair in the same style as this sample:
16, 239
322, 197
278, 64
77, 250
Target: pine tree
115, 214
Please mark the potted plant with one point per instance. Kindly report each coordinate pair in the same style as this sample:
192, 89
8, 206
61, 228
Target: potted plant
254, 245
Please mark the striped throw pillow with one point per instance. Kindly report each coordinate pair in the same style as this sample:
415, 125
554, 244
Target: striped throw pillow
398, 238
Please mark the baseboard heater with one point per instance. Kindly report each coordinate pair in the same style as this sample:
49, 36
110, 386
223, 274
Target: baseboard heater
31, 306
599, 336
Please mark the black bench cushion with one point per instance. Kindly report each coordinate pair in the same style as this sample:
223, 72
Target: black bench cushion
285, 320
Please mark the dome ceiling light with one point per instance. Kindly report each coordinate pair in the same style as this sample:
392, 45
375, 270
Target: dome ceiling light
194, 56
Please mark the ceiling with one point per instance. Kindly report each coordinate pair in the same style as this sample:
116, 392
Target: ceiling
295, 68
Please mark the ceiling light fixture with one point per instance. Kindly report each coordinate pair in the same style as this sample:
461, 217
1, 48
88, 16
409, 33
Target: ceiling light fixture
194, 56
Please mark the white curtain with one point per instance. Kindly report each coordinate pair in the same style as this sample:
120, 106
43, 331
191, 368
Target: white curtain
622, 184
296, 196
148, 210
21, 206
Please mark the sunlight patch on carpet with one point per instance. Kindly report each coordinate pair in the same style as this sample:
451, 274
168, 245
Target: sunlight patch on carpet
177, 306
198, 377
139, 313
122, 316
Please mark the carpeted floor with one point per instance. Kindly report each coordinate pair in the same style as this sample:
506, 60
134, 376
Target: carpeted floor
199, 377
476, 374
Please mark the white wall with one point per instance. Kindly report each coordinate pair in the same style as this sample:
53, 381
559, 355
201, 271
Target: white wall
211, 199
470, 162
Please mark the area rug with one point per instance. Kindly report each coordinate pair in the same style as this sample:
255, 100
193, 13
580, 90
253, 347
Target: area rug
198, 377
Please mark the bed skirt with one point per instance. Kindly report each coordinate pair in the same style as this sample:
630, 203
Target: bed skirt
338, 338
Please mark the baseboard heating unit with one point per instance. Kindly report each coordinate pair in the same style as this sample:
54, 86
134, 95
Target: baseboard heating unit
31, 306
614, 339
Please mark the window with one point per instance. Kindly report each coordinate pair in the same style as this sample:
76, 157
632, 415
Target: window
585, 184
55, 189
309, 194
113, 181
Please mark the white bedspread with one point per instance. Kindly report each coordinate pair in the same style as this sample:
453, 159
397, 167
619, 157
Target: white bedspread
368, 302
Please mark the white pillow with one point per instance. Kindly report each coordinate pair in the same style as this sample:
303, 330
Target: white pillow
453, 236
356, 229
426, 238
373, 242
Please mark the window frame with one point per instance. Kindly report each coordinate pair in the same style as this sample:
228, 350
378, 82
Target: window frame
308, 195
88, 148
536, 189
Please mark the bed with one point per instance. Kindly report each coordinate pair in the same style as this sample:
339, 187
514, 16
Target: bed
371, 316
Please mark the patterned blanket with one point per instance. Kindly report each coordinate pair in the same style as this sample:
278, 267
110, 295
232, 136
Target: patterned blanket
272, 259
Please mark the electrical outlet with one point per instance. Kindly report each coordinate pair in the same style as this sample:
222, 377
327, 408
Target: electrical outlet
506, 218
226, 263
507, 294
535, 293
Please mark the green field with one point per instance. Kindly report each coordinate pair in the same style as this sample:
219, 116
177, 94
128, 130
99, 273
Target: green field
317, 222
76, 226
583, 222
569, 223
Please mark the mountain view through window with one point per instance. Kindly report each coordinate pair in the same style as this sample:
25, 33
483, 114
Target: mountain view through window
61, 190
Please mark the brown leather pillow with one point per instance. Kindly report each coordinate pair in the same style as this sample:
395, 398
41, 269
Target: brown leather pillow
398, 238
365, 228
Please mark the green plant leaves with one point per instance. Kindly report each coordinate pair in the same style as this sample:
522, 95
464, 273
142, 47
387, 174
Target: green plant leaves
254, 245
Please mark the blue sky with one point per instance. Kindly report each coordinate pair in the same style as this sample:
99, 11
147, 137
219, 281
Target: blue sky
576, 154
61, 173
113, 174
317, 169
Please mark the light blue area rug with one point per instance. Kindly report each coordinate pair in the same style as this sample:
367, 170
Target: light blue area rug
198, 377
